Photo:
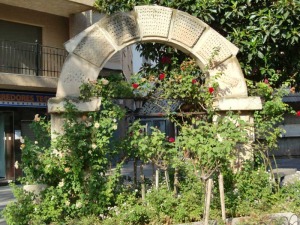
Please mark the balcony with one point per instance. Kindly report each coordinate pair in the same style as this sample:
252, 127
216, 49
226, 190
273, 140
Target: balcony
30, 59
56, 7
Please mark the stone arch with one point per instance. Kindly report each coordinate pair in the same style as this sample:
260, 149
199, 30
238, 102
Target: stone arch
93, 47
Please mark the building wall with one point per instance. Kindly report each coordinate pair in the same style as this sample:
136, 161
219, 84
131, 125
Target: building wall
289, 143
55, 29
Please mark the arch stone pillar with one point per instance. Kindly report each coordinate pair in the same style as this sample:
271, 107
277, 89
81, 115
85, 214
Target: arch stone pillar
93, 47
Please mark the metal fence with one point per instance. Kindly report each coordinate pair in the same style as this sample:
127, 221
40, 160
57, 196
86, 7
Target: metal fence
30, 58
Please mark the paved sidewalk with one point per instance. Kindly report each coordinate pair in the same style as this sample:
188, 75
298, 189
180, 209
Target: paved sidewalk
6, 196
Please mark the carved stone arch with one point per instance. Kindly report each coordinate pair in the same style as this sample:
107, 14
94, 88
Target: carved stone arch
93, 47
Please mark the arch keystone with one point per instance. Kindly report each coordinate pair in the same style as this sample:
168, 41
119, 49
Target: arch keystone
154, 21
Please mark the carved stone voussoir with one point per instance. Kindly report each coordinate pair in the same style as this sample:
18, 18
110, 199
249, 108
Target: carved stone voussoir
214, 48
122, 27
154, 21
75, 72
95, 47
186, 29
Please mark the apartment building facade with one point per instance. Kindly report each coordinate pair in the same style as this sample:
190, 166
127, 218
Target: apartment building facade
32, 37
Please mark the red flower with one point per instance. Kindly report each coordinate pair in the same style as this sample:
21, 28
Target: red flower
298, 113
162, 76
266, 81
194, 81
165, 60
171, 139
211, 90
135, 85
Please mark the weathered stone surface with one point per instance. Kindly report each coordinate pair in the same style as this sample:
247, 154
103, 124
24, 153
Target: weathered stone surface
154, 21
214, 48
57, 105
57, 123
122, 27
243, 103
95, 47
230, 78
186, 29
71, 44
75, 72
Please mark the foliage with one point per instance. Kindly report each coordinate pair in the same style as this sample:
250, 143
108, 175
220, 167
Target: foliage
155, 147
20, 212
266, 121
33, 152
289, 195
113, 86
252, 191
207, 154
75, 165
266, 32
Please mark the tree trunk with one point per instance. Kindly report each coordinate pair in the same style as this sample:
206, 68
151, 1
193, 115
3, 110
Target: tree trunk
209, 184
176, 182
222, 196
167, 179
135, 171
143, 188
156, 178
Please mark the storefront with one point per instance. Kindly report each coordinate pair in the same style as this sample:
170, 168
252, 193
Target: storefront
17, 110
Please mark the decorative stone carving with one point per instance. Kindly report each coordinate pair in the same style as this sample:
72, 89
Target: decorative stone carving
154, 21
230, 78
122, 27
186, 29
95, 47
75, 72
213, 48
71, 44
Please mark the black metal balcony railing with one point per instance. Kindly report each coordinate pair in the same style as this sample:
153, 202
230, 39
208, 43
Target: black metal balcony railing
30, 58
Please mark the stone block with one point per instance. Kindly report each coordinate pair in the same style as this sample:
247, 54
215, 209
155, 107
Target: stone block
230, 78
242, 103
57, 124
95, 47
154, 21
186, 29
75, 72
71, 44
122, 27
213, 47
57, 105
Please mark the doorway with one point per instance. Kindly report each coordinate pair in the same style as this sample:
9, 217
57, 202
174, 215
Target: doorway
7, 156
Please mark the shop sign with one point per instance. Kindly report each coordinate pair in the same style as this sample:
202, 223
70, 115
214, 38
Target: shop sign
24, 99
